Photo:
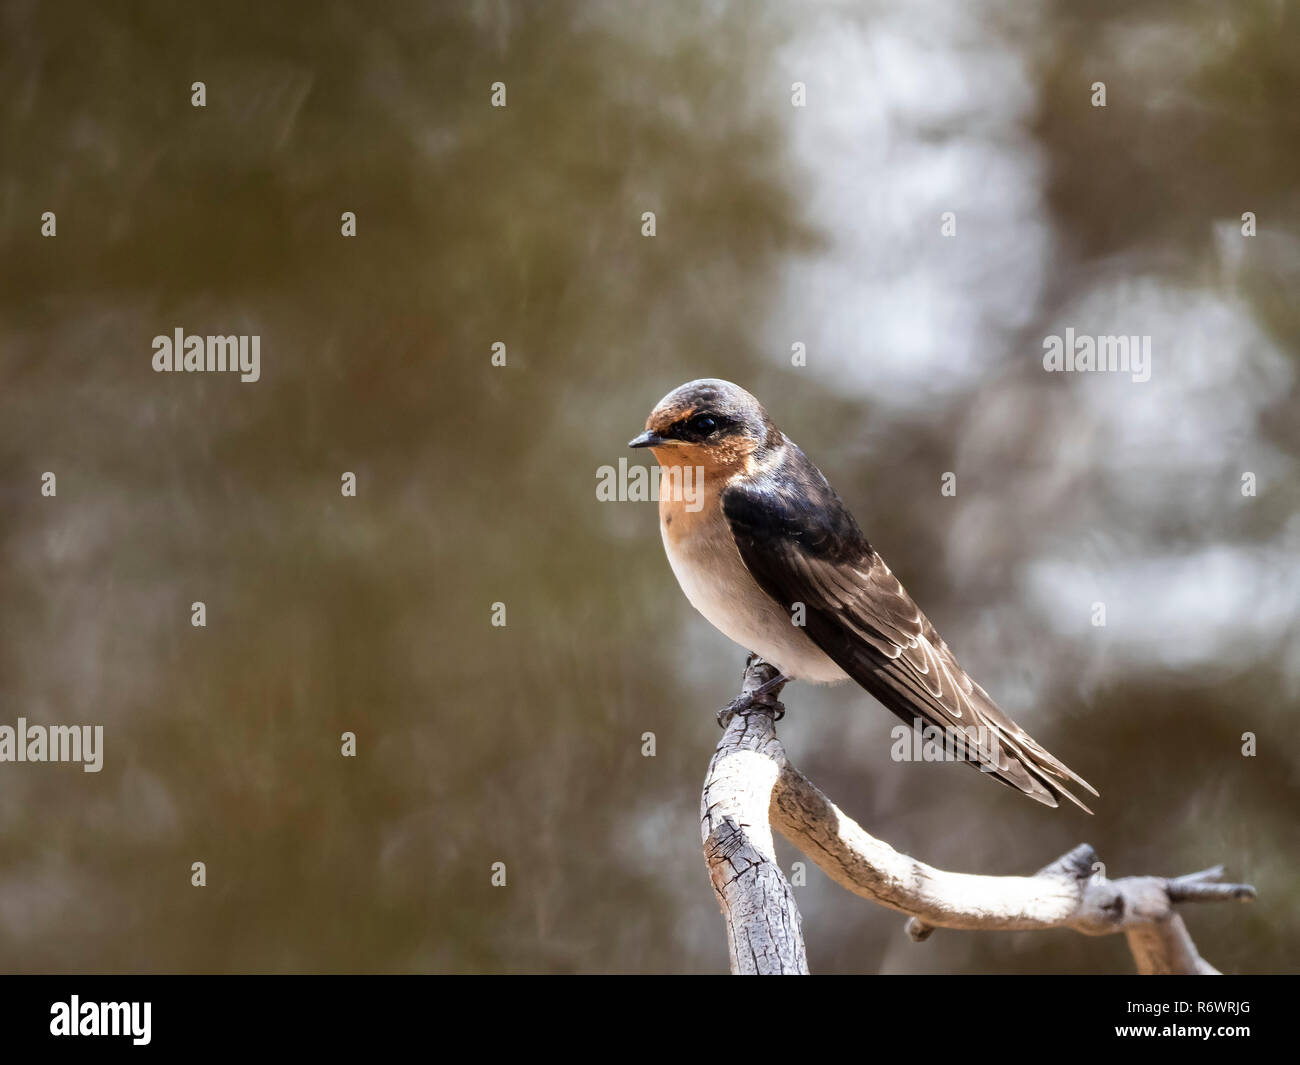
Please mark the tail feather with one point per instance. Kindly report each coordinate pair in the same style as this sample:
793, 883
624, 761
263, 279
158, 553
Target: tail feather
1019, 762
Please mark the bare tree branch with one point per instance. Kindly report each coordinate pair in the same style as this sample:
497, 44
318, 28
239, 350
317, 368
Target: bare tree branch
763, 927
752, 787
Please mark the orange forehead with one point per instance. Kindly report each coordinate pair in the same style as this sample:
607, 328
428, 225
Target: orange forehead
665, 417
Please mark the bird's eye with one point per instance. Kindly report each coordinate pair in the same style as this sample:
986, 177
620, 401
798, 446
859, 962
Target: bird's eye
703, 424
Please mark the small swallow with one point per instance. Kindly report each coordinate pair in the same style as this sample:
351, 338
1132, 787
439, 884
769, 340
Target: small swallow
773, 545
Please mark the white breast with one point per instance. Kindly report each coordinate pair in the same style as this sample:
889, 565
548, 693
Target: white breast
709, 568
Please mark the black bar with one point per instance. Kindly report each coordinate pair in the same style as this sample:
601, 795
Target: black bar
340, 1014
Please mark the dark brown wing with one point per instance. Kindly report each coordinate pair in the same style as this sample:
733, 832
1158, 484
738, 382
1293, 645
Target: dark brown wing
802, 546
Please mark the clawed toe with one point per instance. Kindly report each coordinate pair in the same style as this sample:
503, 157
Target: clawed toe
762, 699
749, 704
736, 706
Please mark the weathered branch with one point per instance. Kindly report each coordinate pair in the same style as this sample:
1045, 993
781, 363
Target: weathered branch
763, 928
751, 786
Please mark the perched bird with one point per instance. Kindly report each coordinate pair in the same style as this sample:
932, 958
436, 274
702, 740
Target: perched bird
764, 548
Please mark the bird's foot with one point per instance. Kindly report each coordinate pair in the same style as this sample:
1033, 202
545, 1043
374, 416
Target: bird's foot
747, 704
762, 700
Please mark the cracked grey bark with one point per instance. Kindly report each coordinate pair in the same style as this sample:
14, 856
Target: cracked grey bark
763, 927
752, 787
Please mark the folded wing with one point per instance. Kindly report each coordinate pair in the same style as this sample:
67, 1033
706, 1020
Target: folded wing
802, 546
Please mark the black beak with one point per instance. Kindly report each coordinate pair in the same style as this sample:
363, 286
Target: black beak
647, 439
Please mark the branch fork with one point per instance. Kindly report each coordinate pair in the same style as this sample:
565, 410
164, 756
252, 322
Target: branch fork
751, 787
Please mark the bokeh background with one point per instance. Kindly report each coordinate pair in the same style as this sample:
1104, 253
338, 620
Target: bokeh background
776, 225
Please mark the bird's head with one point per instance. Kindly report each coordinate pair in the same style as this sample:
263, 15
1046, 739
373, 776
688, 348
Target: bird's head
708, 423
